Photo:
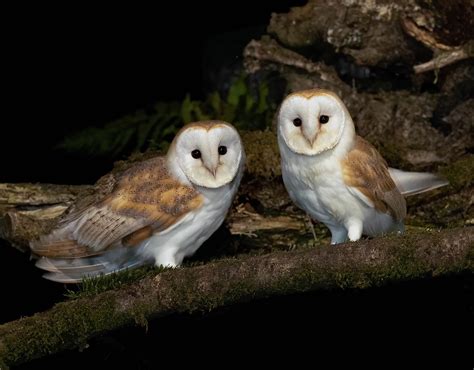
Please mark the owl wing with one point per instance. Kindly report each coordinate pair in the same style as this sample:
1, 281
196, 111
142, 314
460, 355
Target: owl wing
142, 200
367, 177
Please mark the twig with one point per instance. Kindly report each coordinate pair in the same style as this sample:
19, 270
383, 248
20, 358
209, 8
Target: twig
424, 36
442, 60
444, 54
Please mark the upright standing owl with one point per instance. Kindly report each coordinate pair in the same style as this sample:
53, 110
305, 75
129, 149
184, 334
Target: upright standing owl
337, 177
159, 210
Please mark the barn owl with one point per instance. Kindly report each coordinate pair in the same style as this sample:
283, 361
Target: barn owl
336, 176
158, 211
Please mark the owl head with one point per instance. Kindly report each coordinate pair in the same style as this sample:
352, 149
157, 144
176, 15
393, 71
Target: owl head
312, 122
207, 153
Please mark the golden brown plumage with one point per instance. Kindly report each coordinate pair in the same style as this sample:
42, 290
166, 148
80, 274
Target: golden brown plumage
310, 93
157, 211
366, 170
144, 197
337, 177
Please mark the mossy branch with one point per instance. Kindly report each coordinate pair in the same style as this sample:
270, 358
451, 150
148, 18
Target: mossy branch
28, 210
357, 265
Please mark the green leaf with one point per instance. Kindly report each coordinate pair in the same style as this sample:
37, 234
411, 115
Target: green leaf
143, 133
186, 109
200, 116
262, 98
215, 102
238, 89
156, 128
249, 103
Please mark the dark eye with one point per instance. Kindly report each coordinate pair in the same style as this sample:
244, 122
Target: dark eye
196, 153
323, 119
222, 150
297, 122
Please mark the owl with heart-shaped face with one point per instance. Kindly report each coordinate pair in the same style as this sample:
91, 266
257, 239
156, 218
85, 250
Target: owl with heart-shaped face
336, 176
158, 211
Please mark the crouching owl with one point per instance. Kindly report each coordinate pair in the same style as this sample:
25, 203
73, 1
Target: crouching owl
336, 176
158, 211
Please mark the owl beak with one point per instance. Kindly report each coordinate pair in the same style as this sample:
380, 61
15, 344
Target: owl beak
212, 164
310, 132
310, 138
213, 171
310, 141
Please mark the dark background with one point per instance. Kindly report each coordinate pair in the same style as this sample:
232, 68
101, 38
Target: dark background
67, 69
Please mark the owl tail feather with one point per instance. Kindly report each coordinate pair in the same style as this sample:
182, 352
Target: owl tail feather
74, 270
411, 183
60, 243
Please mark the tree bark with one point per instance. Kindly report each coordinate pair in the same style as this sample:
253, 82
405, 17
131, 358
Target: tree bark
29, 210
373, 55
362, 264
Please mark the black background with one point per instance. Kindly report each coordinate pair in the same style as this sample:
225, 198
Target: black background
66, 69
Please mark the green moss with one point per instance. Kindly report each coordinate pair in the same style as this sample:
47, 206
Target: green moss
92, 286
392, 154
401, 263
449, 211
203, 288
139, 313
460, 173
3, 366
263, 156
449, 206
67, 324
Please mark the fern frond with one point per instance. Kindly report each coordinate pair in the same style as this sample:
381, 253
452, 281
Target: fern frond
244, 107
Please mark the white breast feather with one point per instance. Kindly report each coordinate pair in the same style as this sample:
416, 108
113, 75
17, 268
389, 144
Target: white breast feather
316, 185
171, 246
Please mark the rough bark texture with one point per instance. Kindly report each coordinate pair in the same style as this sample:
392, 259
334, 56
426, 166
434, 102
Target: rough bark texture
357, 265
22, 221
412, 129
262, 204
374, 32
372, 54
28, 210
446, 58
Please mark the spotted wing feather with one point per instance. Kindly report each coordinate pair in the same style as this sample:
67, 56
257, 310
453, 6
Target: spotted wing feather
144, 199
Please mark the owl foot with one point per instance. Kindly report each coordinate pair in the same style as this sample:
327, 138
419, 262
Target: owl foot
338, 235
354, 228
164, 259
